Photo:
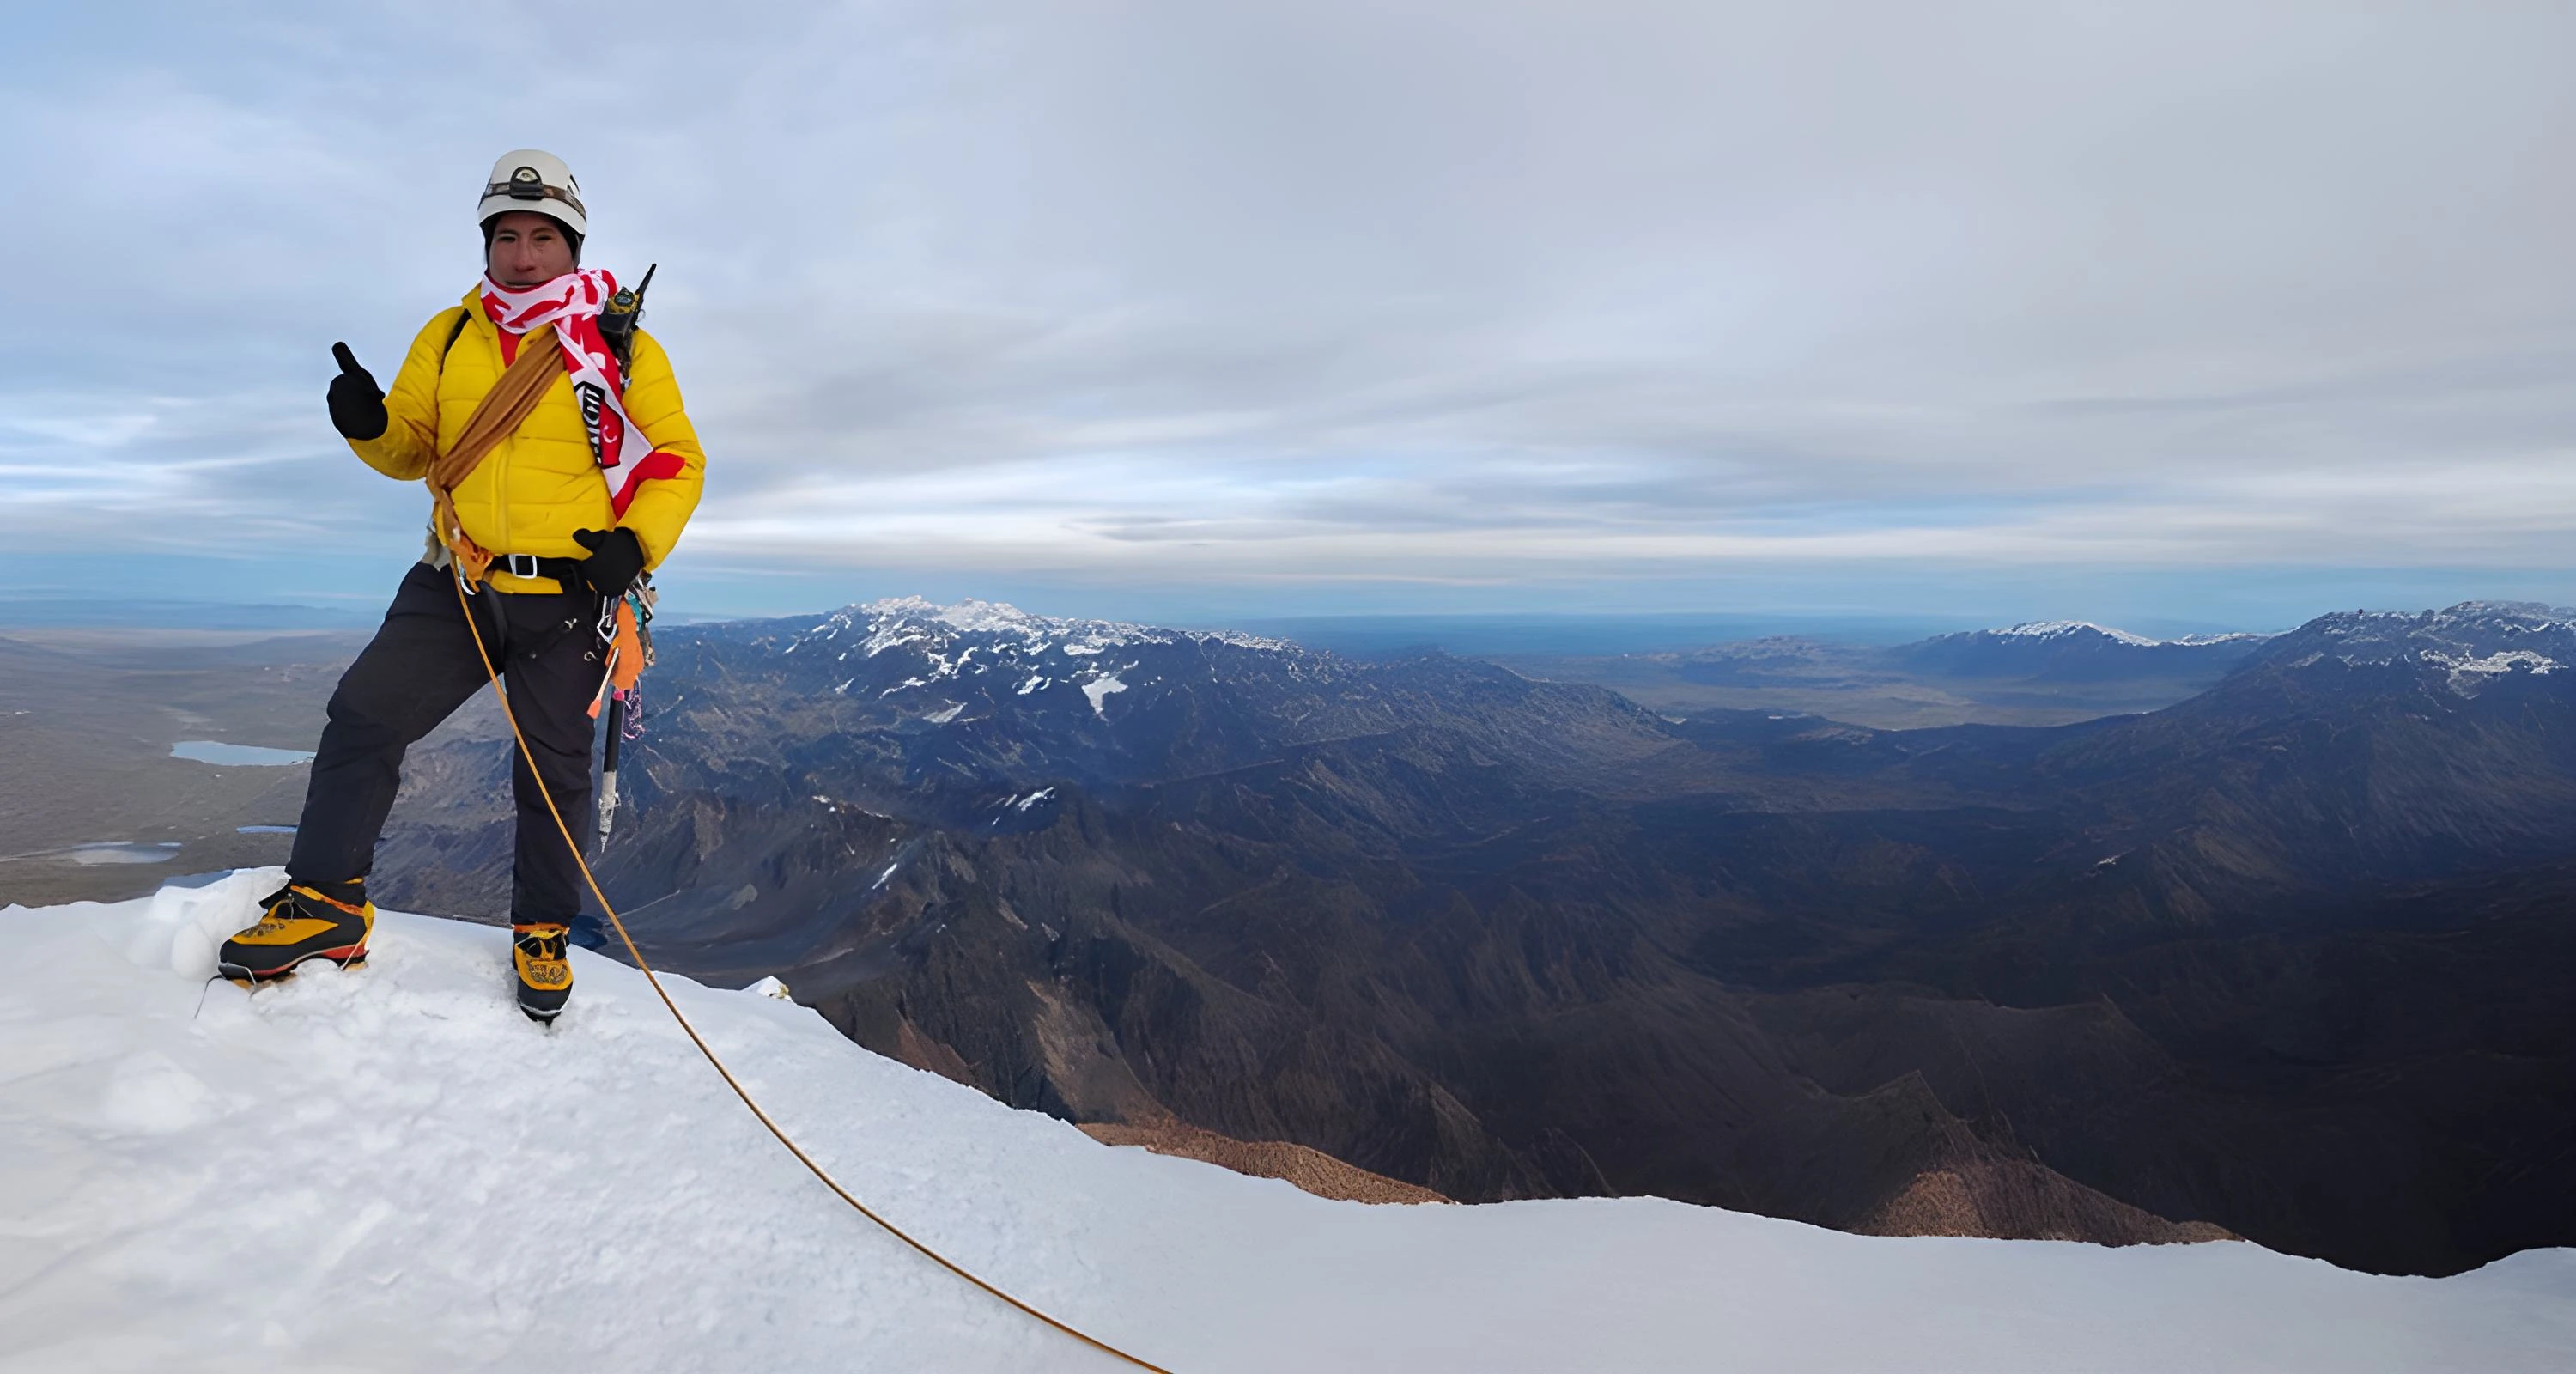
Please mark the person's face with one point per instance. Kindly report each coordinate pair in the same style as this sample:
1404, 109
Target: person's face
528, 249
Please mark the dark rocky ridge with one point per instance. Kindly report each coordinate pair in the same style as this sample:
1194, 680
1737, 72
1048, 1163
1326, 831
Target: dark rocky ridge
2279, 959
2071, 651
2046, 673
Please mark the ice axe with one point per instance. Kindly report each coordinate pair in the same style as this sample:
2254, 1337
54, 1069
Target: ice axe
630, 652
608, 767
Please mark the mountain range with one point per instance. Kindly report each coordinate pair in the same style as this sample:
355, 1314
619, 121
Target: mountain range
2043, 673
2279, 960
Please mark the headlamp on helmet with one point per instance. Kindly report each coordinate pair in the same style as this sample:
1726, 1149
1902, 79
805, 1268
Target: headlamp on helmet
533, 179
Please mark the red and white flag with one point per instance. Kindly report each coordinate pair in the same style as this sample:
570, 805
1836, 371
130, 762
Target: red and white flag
571, 303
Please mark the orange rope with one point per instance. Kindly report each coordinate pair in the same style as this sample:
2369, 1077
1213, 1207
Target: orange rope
637, 955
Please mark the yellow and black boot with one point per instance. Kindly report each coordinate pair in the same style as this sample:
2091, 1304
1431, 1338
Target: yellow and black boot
297, 922
544, 967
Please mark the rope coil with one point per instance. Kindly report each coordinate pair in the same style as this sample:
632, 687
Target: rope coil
739, 1091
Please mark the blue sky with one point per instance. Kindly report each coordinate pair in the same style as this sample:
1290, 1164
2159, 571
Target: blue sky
2188, 315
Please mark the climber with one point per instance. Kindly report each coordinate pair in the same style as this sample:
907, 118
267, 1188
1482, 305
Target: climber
557, 477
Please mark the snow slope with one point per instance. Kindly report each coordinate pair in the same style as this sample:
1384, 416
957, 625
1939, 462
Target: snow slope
390, 1169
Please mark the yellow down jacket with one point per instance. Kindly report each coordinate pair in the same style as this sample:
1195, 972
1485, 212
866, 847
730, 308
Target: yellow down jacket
541, 484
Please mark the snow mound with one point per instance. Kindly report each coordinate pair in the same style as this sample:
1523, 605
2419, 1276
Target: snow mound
390, 1169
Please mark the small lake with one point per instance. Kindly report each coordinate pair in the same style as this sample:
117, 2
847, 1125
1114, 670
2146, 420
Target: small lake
238, 755
122, 852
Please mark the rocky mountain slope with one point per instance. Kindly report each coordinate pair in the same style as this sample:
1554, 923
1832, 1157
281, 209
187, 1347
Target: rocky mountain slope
2267, 961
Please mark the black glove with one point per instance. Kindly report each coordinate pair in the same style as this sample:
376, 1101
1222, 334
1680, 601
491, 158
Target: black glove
357, 403
616, 558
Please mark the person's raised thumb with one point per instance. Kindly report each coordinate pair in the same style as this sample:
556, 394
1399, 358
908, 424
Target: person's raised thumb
348, 360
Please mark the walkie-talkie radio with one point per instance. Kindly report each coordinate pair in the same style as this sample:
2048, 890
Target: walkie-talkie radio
618, 319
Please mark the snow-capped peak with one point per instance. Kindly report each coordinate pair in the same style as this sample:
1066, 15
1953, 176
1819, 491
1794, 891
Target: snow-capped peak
2069, 629
2079, 629
2473, 643
1028, 656
908, 619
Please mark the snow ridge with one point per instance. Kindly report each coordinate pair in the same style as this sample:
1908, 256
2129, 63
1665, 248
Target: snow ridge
389, 1168
912, 619
2079, 629
2069, 629
2473, 644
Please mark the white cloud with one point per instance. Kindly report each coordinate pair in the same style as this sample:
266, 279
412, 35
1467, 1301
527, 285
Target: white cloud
1326, 292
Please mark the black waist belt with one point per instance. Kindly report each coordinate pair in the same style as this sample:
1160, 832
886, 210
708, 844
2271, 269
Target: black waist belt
564, 570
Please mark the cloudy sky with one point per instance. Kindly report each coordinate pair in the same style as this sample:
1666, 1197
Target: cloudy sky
2212, 314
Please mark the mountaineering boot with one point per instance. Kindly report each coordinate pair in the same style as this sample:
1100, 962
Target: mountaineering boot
297, 922
545, 970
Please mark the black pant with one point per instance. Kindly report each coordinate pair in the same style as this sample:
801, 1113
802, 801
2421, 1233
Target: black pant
419, 668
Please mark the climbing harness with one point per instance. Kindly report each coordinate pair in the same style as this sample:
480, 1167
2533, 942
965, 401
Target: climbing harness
819, 1172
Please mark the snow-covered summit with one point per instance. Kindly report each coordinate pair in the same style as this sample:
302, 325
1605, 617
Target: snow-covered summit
898, 620
2471, 643
2086, 629
2069, 629
943, 661
391, 1169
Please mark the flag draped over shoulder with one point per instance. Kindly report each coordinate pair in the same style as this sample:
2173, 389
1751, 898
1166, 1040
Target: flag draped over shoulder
571, 303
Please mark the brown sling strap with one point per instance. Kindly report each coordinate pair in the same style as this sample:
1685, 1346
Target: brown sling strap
496, 417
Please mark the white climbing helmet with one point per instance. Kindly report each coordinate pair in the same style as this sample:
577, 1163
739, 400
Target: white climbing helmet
533, 179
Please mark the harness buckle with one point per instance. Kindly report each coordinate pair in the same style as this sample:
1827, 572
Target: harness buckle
521, 565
